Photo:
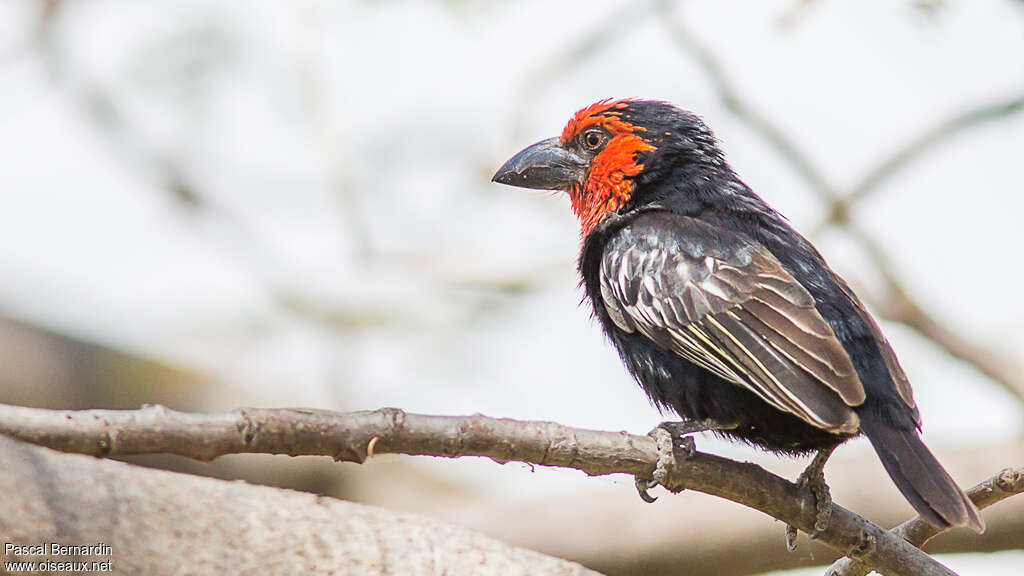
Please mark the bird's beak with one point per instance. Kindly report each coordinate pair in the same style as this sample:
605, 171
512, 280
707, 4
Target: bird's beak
547, 165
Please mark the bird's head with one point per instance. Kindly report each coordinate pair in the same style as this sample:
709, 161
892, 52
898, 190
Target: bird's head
613, 154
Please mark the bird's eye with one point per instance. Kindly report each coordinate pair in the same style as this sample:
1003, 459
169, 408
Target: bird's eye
592, 140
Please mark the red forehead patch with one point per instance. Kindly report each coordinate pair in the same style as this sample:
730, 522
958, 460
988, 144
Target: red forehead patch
606, 113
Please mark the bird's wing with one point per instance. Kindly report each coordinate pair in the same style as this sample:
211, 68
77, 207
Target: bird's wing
728, 305
899, 377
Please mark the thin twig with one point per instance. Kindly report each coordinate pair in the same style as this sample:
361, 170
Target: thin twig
918, 532
346, 437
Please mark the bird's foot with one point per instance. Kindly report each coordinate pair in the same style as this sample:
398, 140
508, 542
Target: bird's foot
667, 437
813, 478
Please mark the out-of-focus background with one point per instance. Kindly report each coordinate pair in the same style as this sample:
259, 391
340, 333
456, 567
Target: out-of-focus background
211, 205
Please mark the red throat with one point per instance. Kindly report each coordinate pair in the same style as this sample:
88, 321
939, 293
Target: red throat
608, 184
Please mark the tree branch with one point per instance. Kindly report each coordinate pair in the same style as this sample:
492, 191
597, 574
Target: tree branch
691, 533
918, 532
356, 436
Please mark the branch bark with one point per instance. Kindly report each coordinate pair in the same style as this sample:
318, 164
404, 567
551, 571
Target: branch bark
356, 436
689, 533
158, 522
918, 532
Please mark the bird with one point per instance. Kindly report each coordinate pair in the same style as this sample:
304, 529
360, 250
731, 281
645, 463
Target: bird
721, 311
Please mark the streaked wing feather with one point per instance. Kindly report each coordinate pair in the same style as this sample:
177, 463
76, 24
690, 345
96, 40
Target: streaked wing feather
736, 313
801, 390
781, 336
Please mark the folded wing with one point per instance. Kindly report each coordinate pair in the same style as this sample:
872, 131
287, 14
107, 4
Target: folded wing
729, 306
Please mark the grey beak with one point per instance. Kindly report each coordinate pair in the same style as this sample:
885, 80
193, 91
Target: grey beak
546, 165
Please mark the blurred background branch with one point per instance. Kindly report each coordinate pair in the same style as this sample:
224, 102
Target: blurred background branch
895, 304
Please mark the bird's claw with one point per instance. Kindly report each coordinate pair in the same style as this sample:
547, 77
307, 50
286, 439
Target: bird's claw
823, 505
642, 487
813, 478
665, 437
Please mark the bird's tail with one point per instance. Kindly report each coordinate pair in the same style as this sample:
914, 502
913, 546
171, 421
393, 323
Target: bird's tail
920, 477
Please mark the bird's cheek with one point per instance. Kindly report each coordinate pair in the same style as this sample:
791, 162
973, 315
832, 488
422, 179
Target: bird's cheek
574, 191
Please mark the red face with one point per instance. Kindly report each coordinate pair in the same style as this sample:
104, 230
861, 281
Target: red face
594, 161
613, 144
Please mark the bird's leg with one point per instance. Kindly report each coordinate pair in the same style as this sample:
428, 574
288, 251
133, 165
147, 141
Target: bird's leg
667, 436
813, 477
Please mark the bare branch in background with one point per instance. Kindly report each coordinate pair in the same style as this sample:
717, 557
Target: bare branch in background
897, 305
555, 66
244, 245
323, 122
795, 14
99, 107
739, 107
928, 141
356, 436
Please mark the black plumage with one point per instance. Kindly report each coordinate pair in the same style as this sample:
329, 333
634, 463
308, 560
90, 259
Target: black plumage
721, 310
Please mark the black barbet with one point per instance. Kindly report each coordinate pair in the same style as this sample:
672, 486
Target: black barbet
718, 308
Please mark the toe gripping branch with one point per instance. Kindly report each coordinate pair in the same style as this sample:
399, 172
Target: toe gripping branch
813, 478
668, 436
